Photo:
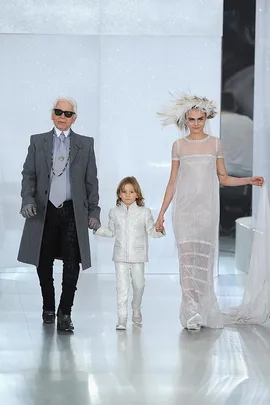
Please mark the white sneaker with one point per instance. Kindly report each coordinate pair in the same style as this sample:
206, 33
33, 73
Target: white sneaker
121, 324
195, 322
137, 316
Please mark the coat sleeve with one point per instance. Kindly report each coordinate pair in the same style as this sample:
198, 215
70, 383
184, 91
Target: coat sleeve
29, 178
92, 184
107, 232
150, 226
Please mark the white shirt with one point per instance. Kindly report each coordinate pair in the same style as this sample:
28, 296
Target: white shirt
58, 132
131, 228
67, 171
237, 142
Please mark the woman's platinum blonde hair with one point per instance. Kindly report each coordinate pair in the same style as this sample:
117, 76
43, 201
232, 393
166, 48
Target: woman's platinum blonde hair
183, 103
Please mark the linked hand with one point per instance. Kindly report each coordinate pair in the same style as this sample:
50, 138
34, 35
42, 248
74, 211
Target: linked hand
94, 224
256, 181
159, 224
29, 210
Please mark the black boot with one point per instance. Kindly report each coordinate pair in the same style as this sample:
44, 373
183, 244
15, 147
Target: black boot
64, 322
48, 316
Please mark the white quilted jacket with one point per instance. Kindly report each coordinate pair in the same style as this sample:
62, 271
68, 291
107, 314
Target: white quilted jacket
131, 228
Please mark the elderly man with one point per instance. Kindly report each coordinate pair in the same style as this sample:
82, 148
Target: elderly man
59, 201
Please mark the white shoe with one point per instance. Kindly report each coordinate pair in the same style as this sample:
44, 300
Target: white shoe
121, 324
137, 316
195, 322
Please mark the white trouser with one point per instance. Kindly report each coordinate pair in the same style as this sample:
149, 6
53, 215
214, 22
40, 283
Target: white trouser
125, 271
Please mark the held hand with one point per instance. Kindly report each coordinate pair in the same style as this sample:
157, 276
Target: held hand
29, 211
256, 181
159, 224
94, 224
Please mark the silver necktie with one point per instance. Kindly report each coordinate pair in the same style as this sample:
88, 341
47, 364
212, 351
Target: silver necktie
58, 190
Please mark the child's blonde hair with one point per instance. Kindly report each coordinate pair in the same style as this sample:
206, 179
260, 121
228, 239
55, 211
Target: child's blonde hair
134, 182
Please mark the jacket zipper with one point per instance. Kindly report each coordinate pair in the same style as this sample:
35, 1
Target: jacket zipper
126, 234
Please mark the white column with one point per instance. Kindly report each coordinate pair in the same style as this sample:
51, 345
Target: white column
261, 152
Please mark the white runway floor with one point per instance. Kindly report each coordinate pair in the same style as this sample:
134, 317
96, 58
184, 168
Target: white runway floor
157, 363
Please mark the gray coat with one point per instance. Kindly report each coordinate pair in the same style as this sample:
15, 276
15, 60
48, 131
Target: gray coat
36, 188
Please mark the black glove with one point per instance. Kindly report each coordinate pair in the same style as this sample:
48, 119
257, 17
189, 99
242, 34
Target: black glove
29, 210
94, 224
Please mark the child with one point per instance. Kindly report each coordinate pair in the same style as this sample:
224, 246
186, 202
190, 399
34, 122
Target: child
130, 223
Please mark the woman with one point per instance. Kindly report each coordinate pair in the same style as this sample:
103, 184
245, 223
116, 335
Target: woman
197, 165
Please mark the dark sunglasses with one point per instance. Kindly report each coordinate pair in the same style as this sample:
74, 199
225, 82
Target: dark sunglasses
67, 114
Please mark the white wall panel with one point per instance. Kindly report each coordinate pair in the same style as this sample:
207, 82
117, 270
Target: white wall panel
173, 17
131, 54
134, 17
50, 17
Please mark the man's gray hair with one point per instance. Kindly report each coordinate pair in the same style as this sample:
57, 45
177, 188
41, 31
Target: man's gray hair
70, 100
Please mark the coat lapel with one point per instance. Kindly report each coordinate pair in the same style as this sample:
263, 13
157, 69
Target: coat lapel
48, 144
75, 146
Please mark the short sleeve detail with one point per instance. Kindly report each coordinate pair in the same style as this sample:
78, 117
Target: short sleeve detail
219, 150
176, 151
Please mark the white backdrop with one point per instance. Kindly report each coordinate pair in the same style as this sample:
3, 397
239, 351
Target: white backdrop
119, 60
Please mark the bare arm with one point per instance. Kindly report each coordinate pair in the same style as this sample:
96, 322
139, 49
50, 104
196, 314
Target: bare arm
170, 187
227, 180
168, 195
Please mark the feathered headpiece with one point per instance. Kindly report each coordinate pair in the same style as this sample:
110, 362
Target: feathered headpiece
182, 104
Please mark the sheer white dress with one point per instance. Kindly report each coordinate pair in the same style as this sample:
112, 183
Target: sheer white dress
195, 223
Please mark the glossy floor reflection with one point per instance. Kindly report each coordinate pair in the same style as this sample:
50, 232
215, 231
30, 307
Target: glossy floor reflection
158, 363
